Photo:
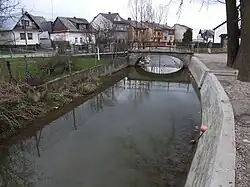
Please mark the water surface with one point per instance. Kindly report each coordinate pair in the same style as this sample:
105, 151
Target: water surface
133, 134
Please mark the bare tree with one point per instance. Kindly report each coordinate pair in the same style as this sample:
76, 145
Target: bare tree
243, 61
144, 11
238, 57
105, 33
233, 32
7, 7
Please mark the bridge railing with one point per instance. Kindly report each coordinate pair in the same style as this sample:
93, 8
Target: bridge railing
173, 49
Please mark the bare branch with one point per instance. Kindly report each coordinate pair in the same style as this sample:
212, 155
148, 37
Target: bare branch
7, 7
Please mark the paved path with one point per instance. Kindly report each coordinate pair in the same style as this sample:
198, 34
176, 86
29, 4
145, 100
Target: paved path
239, 94
49, 54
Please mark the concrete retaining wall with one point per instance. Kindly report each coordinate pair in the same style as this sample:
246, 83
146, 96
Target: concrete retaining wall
198, 70
214, 162
96, 71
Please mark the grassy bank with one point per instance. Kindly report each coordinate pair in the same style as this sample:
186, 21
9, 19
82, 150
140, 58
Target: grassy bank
18, 109
38, 67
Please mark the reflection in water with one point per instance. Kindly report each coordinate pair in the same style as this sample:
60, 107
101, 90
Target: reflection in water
135, 131
161, 64
160, 70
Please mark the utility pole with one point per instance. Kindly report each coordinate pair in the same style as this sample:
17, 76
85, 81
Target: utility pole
26, 46
25, 31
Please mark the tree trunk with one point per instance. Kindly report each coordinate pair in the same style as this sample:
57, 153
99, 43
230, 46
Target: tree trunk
244, 61
232, 31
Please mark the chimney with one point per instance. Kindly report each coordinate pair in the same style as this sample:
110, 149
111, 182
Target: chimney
109, 12
129, 19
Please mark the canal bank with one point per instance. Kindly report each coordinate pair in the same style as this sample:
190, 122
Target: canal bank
214, 161
136, 131
24, 103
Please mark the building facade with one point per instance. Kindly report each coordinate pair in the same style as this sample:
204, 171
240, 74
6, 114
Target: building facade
112, 26
20, 30
76, 31
179, 31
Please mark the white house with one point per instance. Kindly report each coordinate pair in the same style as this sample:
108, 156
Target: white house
206, 35
219, 30
44, 35
16, 29
77, 31
179, 31
113, 23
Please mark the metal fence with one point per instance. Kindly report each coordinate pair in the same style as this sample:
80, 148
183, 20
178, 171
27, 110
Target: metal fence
35, 68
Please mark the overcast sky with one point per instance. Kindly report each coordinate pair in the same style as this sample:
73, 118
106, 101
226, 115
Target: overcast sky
192, 14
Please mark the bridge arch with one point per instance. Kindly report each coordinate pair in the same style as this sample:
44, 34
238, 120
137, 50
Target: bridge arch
185, 57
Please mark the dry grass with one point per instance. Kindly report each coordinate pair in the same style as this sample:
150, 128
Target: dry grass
17, 109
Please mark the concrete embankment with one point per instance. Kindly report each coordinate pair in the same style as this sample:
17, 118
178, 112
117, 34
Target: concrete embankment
214, 162
96, 71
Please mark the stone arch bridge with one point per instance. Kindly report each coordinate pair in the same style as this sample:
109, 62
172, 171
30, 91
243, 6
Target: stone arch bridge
184, 55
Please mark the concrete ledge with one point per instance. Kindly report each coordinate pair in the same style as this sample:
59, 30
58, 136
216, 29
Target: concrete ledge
225, 74
214, 161
198, 70
96, 71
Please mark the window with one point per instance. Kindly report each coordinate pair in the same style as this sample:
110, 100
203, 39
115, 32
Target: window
25, 23
30, 36
165, 38
76, 40
22, 36
159, 33
81, 40
171, 38
171, 32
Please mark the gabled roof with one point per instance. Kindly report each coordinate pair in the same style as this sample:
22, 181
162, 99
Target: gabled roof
166, 27
39, 20
182, 25
220, 25
138, 25
47, 26
207, 33
158, 26
152, 25
10, 22
78, 20
111, 17
69, 22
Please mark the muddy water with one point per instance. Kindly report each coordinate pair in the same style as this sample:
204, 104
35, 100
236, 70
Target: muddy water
133, 134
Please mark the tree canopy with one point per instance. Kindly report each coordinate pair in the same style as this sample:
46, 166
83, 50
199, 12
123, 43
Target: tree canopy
188, 36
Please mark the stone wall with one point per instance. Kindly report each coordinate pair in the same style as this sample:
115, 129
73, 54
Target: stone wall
214, 162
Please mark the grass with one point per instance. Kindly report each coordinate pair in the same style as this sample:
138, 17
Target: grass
35, 66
